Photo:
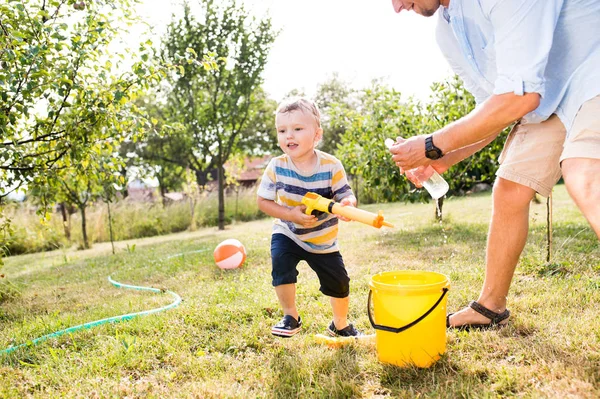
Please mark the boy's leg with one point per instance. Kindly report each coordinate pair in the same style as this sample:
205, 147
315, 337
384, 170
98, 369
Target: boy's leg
335, 283
339, 306
285, 255
286, 294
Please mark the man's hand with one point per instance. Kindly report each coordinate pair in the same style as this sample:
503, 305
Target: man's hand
409, 153
348, 201
297, 215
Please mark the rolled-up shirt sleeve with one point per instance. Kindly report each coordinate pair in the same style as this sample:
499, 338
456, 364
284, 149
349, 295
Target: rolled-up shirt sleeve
523, 31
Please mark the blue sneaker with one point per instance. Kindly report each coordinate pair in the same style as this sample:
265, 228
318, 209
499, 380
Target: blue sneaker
287, 327
348, 331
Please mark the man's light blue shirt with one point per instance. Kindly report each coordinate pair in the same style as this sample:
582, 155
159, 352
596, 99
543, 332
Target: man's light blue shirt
550, 47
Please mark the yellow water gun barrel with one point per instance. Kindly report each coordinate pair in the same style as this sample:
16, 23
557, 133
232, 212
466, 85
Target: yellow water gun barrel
314, 201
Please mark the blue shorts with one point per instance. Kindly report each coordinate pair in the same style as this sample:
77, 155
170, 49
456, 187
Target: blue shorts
285, 255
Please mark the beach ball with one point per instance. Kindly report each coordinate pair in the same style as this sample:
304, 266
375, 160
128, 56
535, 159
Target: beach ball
230, 254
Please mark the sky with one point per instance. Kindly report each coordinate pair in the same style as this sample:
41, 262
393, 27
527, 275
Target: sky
360, 40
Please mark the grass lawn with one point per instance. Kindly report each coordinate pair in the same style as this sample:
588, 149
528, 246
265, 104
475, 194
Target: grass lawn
217, 343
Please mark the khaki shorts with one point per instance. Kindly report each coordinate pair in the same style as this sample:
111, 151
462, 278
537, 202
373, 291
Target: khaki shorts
533, 151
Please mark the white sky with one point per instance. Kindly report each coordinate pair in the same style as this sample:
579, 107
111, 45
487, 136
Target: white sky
361, 40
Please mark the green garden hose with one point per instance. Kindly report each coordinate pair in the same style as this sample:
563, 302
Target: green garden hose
114, 319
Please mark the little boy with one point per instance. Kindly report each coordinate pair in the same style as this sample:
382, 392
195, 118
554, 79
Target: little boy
296, 235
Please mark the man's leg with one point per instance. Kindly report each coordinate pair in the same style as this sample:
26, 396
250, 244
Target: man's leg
582, 178
580, 162
506, 239
286, 293
339, 306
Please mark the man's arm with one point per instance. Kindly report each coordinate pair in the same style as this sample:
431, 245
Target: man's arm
523, 33
454, 157
483, 124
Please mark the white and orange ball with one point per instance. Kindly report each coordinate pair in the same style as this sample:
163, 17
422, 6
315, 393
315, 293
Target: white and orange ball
230, 254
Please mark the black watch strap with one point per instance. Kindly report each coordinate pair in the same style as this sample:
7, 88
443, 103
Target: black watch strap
431, 151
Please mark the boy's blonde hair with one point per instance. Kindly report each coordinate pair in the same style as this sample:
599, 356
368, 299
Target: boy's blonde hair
300, 103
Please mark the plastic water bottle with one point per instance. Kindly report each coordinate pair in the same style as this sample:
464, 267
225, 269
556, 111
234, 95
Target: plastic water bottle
435, 184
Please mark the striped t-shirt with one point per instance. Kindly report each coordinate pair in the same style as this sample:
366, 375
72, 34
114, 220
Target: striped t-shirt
283, 183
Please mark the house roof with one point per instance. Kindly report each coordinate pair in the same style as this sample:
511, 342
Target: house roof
253, 168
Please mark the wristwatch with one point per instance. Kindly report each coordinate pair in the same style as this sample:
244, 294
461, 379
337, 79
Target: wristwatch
431, 151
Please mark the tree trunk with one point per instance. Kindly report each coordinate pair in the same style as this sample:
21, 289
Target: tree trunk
201, 178
66, 220
549, 228
163, 191
221, 197
125, 192
192, 201
86, 244
110, 229
355, 184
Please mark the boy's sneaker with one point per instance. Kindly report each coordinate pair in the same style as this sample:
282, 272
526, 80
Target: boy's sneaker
348, 331
287, 326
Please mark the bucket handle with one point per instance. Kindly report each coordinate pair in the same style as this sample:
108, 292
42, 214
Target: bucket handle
409, 325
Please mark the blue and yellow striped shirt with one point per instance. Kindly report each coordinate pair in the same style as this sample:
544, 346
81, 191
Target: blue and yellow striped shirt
283, 183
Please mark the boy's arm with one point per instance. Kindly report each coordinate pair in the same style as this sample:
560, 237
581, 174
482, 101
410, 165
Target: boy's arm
347, 201
342, 192
295, 214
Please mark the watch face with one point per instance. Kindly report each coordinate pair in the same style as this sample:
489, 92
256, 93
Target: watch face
432, 154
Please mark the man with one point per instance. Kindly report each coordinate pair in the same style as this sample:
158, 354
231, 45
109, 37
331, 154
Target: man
537, 63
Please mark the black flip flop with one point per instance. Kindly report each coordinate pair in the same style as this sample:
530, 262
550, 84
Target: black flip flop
495, 319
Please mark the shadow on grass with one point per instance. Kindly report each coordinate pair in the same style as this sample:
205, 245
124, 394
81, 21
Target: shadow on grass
335, 376
438, 234
465, 374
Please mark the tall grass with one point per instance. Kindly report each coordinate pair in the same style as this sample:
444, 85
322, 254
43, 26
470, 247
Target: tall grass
131, 219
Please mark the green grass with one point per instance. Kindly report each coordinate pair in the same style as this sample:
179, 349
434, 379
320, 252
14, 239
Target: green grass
218, 342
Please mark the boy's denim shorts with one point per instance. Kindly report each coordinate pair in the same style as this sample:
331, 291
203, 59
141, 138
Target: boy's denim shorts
285, 255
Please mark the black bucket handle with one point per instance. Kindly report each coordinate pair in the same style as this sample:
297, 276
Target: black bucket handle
409, 325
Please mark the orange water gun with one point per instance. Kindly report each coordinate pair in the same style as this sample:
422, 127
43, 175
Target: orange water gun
314, 201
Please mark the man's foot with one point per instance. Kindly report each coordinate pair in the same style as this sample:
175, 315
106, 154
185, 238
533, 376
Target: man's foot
348, 331
475, 316
287, 326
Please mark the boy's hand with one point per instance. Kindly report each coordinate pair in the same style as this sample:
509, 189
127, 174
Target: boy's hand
348, 201
298, 216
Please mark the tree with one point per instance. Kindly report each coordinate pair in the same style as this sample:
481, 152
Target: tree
215, 105
259, 136
158, 153
59, 92
450, 101
382, 114
63, 90
233, 171
333, 93
95, 177
57, 83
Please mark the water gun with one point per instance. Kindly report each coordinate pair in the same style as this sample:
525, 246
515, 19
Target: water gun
314, 201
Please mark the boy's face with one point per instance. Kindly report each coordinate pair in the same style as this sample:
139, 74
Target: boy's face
423, 7
297, 134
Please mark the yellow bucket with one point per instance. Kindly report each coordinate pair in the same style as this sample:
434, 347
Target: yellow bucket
409, 316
